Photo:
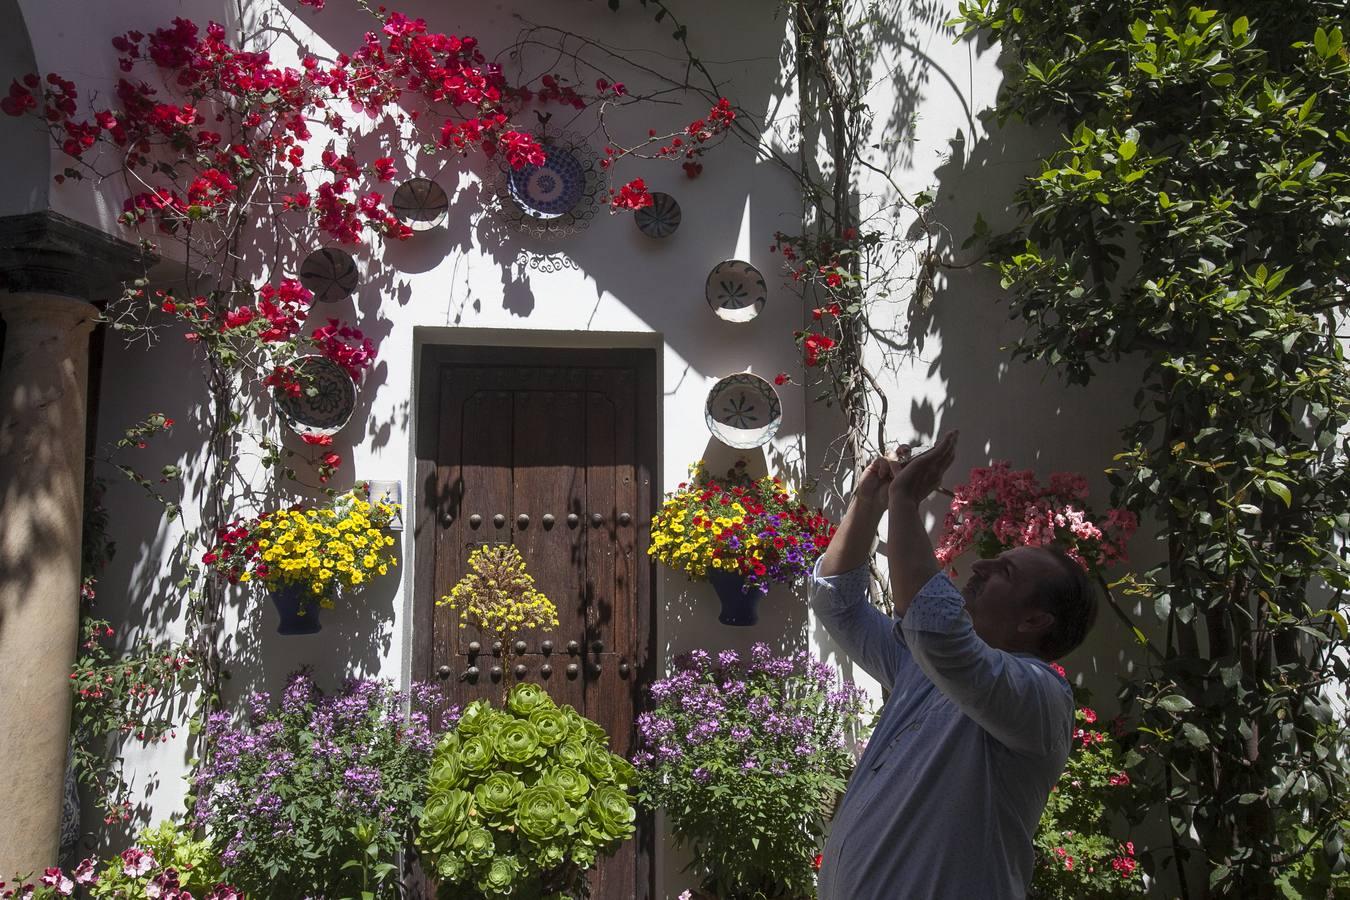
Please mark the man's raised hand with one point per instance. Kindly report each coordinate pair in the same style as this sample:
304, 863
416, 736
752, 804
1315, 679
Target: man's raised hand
913, 479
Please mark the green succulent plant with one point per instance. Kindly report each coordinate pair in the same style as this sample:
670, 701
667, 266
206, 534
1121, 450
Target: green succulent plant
521, 801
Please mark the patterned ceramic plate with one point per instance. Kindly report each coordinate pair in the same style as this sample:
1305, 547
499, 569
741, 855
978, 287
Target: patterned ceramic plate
736, 291
661, 218
328, 409
421, 204
743, 411
550, 190
330, 274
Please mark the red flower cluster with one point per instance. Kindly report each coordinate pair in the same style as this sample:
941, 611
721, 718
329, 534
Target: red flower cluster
236, 550
815, 345
346, 346
633, 195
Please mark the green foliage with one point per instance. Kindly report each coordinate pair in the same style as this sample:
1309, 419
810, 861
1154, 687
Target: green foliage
747, 759
195, 863
522, 801
1197, 215
1077, 856
316, 796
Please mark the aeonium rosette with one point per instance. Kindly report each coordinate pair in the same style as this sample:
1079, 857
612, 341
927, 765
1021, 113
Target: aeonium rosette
999, 509
328, 549
756, 528
522, 801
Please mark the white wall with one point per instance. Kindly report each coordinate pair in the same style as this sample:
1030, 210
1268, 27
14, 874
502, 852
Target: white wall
614, 287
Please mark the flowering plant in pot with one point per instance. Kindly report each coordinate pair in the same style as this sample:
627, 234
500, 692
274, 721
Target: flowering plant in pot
522, 801
746, 757
315, 796
998, 509
309, 556
740, 533
1077, 855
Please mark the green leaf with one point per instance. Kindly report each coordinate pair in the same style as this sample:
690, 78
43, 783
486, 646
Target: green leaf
1239, 26
1194, 735
1322, 42
1175, 703
1139, 30
1128, 149
1279, 490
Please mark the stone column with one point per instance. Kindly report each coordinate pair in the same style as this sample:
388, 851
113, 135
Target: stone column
43, 375
51, 268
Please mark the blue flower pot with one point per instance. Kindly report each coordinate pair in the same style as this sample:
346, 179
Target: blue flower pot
298, 608
738, 607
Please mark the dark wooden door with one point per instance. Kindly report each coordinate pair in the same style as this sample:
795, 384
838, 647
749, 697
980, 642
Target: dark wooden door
553, 451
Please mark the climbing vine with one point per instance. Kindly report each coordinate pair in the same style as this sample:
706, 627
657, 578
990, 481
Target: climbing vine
1195, 219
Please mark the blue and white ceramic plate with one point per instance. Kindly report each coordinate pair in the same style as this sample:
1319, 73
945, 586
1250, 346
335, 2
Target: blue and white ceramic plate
327, 398
743, 411
550, 190
330, 274
661, 218
736, 291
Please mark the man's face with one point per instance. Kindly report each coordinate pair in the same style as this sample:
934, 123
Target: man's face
998, 596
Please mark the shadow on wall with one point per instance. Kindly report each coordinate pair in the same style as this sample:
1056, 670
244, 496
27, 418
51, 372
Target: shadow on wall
1020, 411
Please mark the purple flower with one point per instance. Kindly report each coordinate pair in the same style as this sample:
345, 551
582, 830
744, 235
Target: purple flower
702, 775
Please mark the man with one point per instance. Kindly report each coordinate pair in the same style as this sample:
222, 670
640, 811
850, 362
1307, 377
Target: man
946, 798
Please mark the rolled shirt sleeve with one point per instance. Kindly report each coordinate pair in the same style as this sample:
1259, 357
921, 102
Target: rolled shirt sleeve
862, 631
1017, 699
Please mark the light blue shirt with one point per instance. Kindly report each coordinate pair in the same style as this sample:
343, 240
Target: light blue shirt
947, 796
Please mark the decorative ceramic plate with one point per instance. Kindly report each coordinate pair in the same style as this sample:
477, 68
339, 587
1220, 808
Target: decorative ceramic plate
330, 274
736, 291
421, 204
327, 398
556, 199
661, 218
550, 190
743, 411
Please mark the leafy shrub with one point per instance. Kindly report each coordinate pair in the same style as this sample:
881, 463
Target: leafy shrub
522, 801
745, 757
1077, 856
316, 797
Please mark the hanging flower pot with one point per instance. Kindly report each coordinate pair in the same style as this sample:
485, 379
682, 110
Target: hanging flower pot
739, 606
298, 608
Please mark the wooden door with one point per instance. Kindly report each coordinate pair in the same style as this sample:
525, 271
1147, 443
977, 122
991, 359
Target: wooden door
553, 451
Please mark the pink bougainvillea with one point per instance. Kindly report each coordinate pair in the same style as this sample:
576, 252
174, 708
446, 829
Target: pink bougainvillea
998, 509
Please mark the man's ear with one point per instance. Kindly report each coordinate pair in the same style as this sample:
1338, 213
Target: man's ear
1036, 621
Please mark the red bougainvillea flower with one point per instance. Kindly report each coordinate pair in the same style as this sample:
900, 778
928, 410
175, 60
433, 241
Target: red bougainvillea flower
815, 344
385, 169
781, 379
693, 169
633, 195
318, 440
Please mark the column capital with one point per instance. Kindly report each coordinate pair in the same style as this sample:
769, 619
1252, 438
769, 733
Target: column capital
47, 253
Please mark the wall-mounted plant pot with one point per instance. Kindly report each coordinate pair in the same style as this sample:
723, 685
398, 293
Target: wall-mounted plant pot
736, 291
421, 204
297, 609
739, 607
743, 411
326, 401
661, 219
330, 274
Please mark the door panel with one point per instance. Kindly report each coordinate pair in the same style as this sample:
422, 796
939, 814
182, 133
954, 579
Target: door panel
525, 435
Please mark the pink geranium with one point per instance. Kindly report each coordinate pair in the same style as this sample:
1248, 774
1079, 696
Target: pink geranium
998, 509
